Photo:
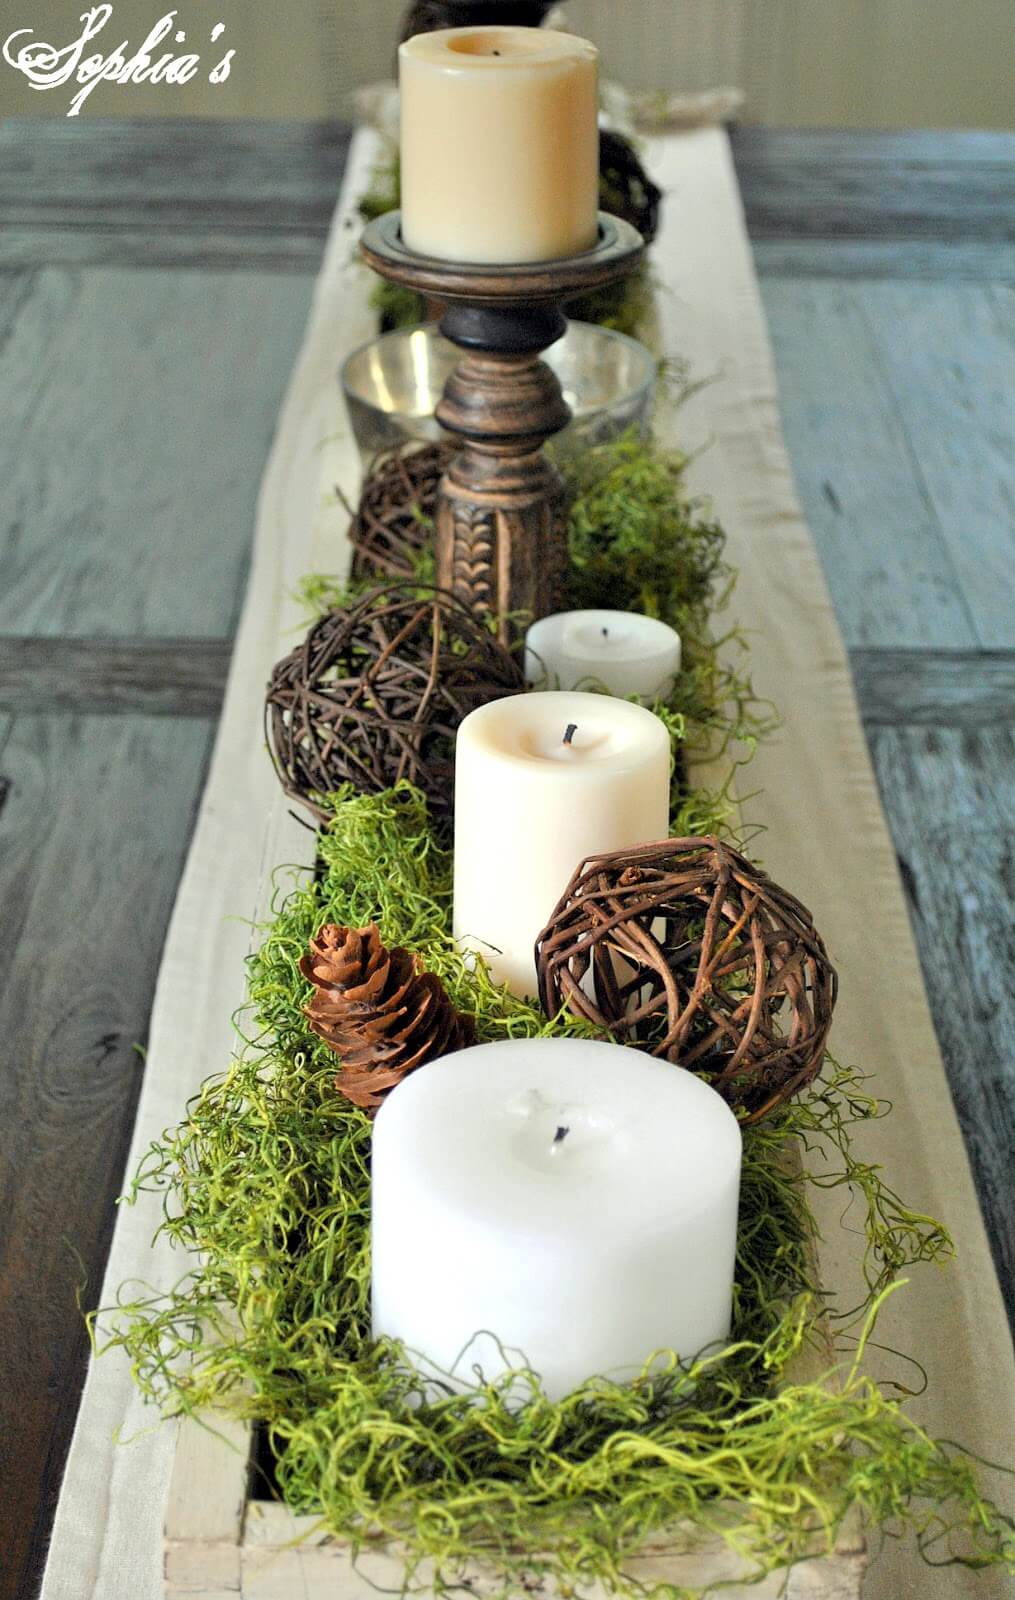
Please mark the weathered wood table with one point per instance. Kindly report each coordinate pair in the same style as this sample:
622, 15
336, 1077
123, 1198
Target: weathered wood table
134, 256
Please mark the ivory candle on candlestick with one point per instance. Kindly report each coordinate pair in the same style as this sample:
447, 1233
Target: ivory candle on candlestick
558, 1203
500, 144
625, 652
541, 782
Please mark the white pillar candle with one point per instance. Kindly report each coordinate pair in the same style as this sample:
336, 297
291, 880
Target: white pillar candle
541, 782
500, 144
570, 1201
620, 650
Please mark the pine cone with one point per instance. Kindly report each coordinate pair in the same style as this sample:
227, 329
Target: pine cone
379, 1010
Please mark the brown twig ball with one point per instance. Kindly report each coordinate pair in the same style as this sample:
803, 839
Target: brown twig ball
689, 951
375, 694
393, 524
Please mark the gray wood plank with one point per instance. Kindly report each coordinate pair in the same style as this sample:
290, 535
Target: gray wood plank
92, 839
950, 800
163, 191
164, 165
160, 677
947, 354
138, 413
6, 724
23, 247
922, 259
955, 689
891, 575
16, 289
916, 149
139, 408
818, 184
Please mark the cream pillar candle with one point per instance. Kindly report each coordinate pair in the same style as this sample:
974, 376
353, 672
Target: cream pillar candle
624, 652
500, 144
558, 1203
541, 782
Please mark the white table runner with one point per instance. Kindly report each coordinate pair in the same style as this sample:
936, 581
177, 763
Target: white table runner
818, 803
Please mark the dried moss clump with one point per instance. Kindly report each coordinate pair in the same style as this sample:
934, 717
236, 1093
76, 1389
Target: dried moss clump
638, 540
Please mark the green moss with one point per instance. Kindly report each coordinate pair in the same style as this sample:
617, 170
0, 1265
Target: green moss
384, 193
266, 1190
622, 305
266, 1193
638, 540
396, 307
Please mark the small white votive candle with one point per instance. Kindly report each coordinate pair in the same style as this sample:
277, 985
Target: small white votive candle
500, 144
557, 1204
541, 782
622, 651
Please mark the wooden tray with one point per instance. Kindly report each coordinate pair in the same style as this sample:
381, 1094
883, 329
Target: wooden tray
223, 1542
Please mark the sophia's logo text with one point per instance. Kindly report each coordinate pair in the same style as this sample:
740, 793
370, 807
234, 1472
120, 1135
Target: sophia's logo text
50, 66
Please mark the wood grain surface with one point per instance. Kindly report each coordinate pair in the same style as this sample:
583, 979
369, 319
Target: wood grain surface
6, 724
947, 355
92, 839
821, 184
950, 803
246, 195
140, 401
139, 406
922, 259
154, 278
886, 267
825, 204
886, 560
161, 677
937, 689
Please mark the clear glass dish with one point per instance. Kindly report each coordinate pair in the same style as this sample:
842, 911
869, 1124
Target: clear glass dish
392, 385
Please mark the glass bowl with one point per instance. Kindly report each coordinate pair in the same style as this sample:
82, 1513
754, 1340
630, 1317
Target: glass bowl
392, 385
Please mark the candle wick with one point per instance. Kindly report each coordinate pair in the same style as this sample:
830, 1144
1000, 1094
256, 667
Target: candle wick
560, 1135
570, 731
606, 633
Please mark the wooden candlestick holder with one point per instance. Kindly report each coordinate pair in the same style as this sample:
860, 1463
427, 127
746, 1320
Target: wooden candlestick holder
501, 514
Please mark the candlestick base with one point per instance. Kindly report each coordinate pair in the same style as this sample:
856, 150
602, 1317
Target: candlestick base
501, 508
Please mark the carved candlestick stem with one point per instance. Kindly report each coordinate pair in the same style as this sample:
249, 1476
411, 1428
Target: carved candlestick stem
501, 539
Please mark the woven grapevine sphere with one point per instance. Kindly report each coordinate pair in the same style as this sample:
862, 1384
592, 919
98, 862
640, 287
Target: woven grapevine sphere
689, 951
625, 188
393, 524
375, 693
